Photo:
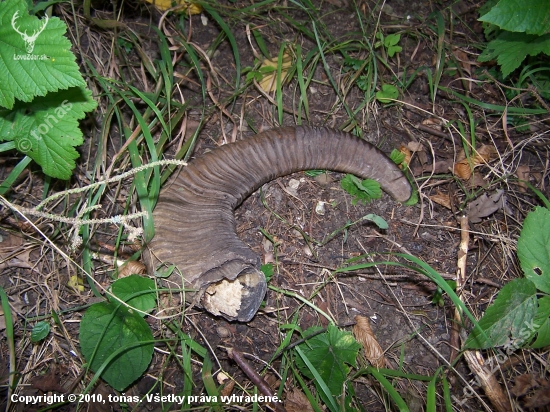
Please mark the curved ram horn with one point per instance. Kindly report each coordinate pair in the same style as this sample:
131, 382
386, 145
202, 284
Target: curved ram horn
194, 217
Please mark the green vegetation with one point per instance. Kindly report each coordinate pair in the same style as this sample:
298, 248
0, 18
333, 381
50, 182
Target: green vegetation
41, 72
163, 90
515, 32
365, 190
520, 316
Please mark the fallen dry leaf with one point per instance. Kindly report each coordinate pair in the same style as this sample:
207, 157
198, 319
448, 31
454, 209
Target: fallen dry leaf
132, 267
462, 57
523, 172
540, 398
523, 384
442, 199
48, 382
485, 206
405, 150
76, 284
269, 82
185, 5
463, 167
227, 388
433, 122
103, 391
477, 180
363, 334
415, 146
296, 401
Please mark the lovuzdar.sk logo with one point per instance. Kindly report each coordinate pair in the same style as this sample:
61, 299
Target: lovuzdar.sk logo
29, 40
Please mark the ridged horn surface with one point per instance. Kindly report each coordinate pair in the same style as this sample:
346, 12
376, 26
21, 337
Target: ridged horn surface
194, 217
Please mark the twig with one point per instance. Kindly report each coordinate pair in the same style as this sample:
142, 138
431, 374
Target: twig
256, 379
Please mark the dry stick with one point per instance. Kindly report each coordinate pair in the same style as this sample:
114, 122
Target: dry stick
256, 379
486, 378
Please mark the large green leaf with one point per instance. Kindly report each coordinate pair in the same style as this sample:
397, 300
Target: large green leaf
510, 49
48, 67
137, 291
529, 16
542, 323
107, 329
330, 353
534, 248
508, 319
46, 129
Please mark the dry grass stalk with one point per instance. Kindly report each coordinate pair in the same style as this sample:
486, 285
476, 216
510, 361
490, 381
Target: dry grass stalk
486, 378
488, 382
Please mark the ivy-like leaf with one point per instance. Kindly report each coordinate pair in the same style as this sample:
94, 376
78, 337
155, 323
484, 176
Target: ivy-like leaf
107, 328
49, 67
534, 248
387, 92
330, 353
509, 320
46, 129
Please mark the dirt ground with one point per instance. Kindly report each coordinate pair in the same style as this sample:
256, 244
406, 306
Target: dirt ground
414, 332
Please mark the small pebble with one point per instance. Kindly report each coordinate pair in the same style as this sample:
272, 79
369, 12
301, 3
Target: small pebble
223, 332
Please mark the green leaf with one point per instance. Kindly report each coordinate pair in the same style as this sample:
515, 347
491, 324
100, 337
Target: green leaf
529, 16
330, 353
397, 156
107, 329
377, 220
391, 44
392, 39
508, 319
510, 49
365, 190
388, 91
394, 49
48, 67
541, 323
534, 248
46, 129
267, 270
137, 291
164, 272
40, 331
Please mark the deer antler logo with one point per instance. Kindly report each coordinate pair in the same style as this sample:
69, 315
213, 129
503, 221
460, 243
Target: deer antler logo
29, 40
